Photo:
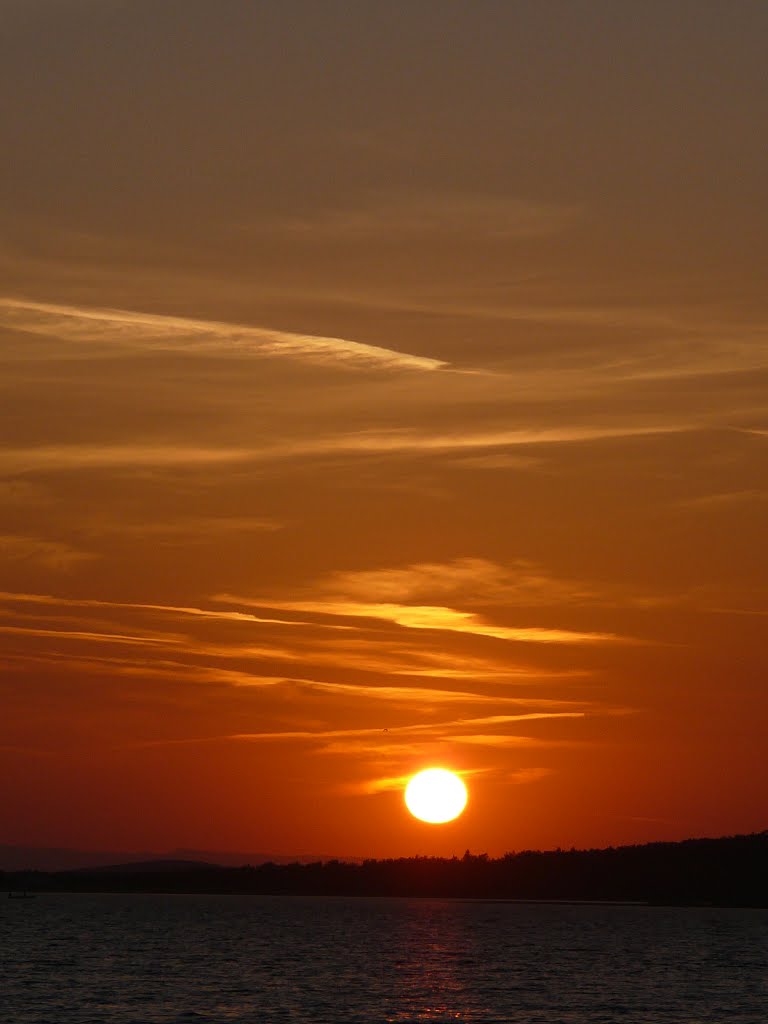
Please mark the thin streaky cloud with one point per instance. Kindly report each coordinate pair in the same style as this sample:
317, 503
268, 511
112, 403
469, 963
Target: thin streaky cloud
132, 329
407, 440
189, 530
689, 342
106, 638
375, 748
420, 694
480, 582
507, 675
204, 613
59, 458
50, 554
757, 612
407, 215
393, 660
397, 783
427, 617
520, 776
502, 740
723, 498
179, 671
439, 730
62, 457
477, 580
107, 456
176, 671
367, 655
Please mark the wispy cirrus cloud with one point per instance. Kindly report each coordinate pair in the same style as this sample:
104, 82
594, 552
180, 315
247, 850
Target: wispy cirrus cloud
412, 440
397, 783
516, 583
193, 529
451, 729
45, 458
156, 333
411, 214
339, 643
404, 696
76, 634
178, 610
723, 498
376, 655
94, 456
476, 579
376, 740
432, 617
50, 554
434, 695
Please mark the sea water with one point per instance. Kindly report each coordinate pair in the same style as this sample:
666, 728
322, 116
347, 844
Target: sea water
83, 959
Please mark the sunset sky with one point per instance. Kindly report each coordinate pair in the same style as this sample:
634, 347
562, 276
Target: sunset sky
382, 385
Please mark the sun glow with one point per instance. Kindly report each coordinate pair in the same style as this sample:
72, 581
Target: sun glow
436, 796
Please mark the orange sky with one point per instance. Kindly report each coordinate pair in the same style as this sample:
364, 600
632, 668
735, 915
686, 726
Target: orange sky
381, 386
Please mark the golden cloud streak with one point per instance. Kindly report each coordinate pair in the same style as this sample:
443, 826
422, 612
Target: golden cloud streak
50, 458
425, 617
111, 638
205, 613
178, 672
86, 324
421, 729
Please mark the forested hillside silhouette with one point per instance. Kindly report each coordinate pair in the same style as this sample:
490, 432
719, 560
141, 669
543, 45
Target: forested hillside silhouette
731, 871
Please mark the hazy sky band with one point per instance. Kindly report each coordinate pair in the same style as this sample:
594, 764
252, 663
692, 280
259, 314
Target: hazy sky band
381, 386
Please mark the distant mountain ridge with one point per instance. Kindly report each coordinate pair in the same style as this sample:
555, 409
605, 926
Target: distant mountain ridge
42, 858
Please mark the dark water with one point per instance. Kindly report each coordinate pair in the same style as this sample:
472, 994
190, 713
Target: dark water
233, 959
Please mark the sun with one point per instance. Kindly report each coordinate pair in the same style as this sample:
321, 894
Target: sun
436, 796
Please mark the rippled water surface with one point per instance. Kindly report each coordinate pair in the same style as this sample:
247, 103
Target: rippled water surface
232, 959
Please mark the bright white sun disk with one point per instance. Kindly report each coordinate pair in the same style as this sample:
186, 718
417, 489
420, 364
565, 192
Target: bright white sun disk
436, 796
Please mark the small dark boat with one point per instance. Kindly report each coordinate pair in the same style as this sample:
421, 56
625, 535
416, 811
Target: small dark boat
21, 895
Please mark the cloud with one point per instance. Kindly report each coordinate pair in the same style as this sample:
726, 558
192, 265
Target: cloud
181, 610
475, 579
49, 554
155, 333
522, 776
62, 457
377, 740
105, 638
397, 783
429, 696
442, 730
499, 740
425, 617
480, 582
323, 645
380, 655
409, 440
189, 672
411, 215
722, 499
195, 529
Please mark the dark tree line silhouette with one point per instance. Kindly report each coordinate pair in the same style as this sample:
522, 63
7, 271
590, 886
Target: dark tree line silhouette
732, 871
